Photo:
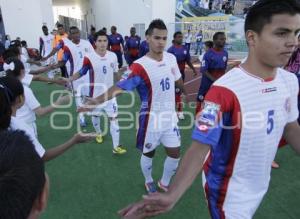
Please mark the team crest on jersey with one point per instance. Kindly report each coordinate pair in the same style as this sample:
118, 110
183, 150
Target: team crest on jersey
287, 105
86, 50
148, 145
203, 63
112, 65
137, 42
208, 116
224, 58
184, 52
118, 38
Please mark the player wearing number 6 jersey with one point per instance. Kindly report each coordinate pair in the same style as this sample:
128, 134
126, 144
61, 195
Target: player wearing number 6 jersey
153, 76
102, 68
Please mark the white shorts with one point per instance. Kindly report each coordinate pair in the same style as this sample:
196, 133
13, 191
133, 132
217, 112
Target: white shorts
149, 141
110, 107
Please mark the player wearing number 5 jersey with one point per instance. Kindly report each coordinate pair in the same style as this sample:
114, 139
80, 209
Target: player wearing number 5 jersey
244, 115
102, 67
153, 76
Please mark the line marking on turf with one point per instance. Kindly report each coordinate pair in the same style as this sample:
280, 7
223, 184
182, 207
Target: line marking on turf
191, 81
192, 94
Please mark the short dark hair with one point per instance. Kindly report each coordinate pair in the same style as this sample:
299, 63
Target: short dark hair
262, 12
23, 43
59, 25
100, 33
22, 175
73, 28
44, 27
209, 44
93, 28
147, 32
217, 34
158, 24
176, 34
10, 53
10, 89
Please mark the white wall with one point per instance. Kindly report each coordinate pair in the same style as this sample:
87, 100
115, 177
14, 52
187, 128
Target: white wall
24, 18
124, 14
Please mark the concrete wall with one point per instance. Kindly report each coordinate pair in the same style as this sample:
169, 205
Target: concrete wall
24, 18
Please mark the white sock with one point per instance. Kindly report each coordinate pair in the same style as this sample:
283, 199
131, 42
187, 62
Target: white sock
96, 124
50, 74
170, 168
115, 133
78, 102
146, 166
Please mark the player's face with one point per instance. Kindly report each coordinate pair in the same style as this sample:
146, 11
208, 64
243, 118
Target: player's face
157, 40
178, 39
45, 31
113, 30
101, 42
277, 40
75, 35
220, 41
132, 31
61, 30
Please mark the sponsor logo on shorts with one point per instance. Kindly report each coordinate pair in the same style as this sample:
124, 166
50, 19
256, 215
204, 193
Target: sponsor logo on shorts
148, 145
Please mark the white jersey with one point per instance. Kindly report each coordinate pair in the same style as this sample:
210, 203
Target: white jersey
101, 71
16, 124
243, 119
47, 44
26, 112
74, 53
155, 83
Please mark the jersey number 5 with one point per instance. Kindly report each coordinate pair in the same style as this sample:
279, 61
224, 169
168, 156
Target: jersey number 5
270, 122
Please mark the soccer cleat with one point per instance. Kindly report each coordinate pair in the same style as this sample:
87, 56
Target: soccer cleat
82, 123
150, 187
162, 187
119, 150
180, 115
99, 138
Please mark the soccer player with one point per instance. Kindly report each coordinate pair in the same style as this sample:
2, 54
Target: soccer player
102, 67
46, 43
61, 34
74, 53
234, 150
91, 36
183, 57
24, 185
144, 47
154, 76
116, 44
213, 66
132, 45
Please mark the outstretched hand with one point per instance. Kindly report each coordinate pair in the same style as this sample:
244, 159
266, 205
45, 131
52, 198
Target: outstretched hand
151, 205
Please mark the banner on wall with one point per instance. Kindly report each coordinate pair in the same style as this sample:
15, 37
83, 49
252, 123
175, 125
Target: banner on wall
208, 25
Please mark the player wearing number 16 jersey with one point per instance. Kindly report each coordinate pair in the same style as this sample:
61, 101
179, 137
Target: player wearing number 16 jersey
153, 76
